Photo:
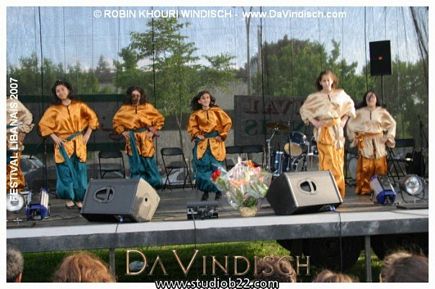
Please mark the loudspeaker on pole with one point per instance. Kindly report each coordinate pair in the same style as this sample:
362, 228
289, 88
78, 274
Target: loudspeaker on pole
120, 200
380, 57
303, 192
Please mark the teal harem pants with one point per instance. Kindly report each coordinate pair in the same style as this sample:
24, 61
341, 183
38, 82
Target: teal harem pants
72, 176
205, 166
143, 167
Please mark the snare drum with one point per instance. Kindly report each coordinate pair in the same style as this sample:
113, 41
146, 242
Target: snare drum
297, 144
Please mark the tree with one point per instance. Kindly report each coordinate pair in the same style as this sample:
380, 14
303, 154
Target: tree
292, 66
406, 97
128, 73
82, 81
354, 84
103, 72
36, 83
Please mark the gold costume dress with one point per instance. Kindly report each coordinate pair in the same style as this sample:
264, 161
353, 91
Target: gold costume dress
19, 123
330, 138
139, 120
371, 131
209, 152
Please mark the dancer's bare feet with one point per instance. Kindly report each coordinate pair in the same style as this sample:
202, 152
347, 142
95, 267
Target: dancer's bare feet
69, 204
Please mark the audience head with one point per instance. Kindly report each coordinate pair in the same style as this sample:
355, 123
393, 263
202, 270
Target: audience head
15, 265
83, 267
404, 267
334, 277
275, 268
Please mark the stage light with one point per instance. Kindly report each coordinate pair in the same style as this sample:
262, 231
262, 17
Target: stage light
413, 185
413, 193
384, 192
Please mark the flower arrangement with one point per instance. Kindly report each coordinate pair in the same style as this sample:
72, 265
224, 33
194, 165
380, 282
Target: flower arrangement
244, 185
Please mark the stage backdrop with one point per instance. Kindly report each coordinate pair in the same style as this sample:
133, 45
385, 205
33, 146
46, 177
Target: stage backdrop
256, 116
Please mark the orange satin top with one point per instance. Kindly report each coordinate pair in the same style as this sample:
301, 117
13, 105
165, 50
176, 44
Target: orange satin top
206, 121
63, 121
131, 117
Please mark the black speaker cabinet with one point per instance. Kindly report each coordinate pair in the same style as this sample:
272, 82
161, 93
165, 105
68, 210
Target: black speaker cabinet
120, 200
303, 192
380, 58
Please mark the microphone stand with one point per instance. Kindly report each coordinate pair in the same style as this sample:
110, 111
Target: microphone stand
288, 169
268, 160
423, 146
45, 166
423, 137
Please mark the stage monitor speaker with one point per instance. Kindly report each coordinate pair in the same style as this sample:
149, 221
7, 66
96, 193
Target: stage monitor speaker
380, 58
120, 200
303, 192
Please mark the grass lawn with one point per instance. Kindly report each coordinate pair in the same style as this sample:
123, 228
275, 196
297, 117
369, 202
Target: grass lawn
39, 267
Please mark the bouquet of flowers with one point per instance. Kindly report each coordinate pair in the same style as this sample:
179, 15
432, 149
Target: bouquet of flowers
243, 185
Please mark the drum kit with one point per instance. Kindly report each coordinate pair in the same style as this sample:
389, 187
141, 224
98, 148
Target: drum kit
298, 154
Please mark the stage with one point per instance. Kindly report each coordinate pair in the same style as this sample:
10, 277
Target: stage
357, 217
172, 207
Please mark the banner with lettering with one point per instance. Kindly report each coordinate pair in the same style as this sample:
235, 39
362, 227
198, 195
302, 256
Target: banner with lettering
256, 118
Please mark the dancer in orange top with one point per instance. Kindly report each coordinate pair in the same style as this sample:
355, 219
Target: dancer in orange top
138, 121
69, 123
208, 127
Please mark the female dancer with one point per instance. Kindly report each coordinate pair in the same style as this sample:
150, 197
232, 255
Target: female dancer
328, 110
138, 121
372, 130
69, 123
208, 127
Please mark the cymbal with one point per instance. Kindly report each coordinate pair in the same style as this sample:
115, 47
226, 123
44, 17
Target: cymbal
277, 125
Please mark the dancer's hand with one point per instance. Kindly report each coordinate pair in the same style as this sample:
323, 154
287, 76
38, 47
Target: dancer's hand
219, 138
149, 134
87, 136
344, 121
200, 136
57, 140
126, 135
318, 123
